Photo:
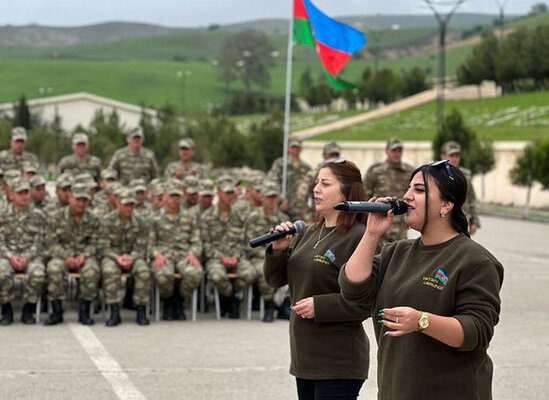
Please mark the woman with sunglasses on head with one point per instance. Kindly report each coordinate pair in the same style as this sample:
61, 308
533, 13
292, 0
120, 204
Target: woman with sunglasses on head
436, 298
328, 345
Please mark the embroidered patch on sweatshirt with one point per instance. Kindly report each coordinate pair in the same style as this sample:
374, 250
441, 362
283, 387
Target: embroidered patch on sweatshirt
441, 276
330, 255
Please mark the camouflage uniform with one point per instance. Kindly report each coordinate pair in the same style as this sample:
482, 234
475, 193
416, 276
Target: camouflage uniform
175, 236
8, 160
470, 206
73, 166
22, 234
117, 238
191, 169
47, 201
71, 237
133, 166
295, 175
223, 236
386, 179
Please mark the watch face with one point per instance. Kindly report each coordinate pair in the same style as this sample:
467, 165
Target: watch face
424, 321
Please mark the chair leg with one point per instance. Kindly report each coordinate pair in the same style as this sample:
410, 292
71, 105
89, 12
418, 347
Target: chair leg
261, 308
194, 304
157, 304
249, 299
38, 309
217, 305
203, 295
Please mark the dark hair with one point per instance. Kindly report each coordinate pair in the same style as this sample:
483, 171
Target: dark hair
350, 183
452, 186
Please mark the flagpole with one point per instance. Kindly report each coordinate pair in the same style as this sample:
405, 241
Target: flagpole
287, 104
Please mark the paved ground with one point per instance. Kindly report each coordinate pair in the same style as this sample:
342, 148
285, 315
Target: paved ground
248, 359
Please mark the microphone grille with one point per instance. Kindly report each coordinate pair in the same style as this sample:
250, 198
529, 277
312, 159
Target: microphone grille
299, 226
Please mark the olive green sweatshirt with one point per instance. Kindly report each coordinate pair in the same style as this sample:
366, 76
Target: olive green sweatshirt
457, 278
333, 345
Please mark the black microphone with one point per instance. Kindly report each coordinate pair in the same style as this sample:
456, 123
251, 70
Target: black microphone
298, 227
397, 206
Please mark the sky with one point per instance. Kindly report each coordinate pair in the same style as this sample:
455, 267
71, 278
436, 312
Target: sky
193, 13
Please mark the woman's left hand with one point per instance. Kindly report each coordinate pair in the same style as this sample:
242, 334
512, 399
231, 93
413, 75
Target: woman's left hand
305, 308
400, 320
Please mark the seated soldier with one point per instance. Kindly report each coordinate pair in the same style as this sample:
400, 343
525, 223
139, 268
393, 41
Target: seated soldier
122, 246
39, 195
21, 250
174, 242
222, 232
73, 249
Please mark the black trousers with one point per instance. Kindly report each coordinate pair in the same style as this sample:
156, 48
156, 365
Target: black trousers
328, 389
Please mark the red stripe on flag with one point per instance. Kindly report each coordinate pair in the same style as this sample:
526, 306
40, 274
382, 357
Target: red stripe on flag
299, 10
332, 59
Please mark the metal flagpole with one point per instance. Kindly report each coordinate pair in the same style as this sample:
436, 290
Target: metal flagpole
287, 103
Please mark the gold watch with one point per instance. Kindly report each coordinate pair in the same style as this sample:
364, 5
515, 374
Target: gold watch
423, 322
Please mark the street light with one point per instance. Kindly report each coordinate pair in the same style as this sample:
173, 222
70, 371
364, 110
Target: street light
501, 7
183, 75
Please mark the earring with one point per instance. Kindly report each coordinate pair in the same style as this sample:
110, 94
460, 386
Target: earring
442, 215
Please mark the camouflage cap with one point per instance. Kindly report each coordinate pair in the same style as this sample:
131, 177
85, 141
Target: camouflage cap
109, 173
37, 180
173, 188
226, 183
29, 168
394, 143
64, 180
206, 187
81, 191
154, 182
85, 178
19, 133
80, 138
295, 142
191, 184
256, 180
19, 184
450, 148
113, 188
157, 189
12, 174
136, 132
138, 185
331, 148
186, 143
126, 196
269, 188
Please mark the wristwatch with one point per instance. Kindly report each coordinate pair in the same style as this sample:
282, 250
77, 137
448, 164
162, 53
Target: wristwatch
423, 322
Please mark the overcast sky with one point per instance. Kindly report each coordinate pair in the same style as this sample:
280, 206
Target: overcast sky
182, 13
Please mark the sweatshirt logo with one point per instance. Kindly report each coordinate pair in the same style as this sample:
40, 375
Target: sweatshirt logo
441, 276
330, 255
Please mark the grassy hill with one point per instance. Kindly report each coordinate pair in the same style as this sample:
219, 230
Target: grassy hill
512, 117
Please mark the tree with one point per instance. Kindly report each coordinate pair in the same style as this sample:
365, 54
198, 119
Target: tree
230, 149
384, 86
481, 64
306, 82
106, 135
542, 163
267, 140
524, 172
512, 61
481, 158
21, 114
454, 128
414, 81
246, 55
538, 8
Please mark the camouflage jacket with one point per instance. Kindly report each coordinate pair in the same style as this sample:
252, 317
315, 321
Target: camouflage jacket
145, 211
222, 235
470, 205
117, 237
71, 237
22, 234
385, 179
295, 176
46, 203
8, 160
71, 165
133, 166
174, 236
258, 223
200, 170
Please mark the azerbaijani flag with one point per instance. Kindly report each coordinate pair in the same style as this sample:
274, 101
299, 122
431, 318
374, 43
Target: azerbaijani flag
335, 42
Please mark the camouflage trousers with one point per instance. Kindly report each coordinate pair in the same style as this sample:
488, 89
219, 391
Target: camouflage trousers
90, 274
265, 290
190, 278
112, 283
35, 277
217, 273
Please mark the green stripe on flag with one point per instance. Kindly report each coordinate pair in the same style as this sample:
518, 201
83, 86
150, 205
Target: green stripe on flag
337, 83
303, 33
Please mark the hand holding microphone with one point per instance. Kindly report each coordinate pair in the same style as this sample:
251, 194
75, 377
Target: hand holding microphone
280, 235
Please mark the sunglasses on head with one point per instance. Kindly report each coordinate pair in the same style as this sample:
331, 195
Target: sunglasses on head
446, 165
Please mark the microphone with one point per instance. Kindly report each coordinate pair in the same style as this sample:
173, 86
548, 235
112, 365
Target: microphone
298, 227
397, 206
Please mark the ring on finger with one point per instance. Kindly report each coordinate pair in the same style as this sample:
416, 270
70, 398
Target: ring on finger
396, 320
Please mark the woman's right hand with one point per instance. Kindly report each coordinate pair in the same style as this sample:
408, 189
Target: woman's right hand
379, 223
282, 244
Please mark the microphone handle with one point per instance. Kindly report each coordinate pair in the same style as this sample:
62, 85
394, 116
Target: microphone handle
270, 237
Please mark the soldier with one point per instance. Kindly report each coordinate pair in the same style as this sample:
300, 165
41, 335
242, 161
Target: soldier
134, 161
14, 157
39, 196
29, 170
174, 241
253, 195
156, 197
206, 193
122, 245
9, 175
21, 246
62, 191
111, 204
80, 161
259, 222
191, 192
222, 232
74, 245
140, 191
451, 151
296, 171
185, 165
108, 175
390, 178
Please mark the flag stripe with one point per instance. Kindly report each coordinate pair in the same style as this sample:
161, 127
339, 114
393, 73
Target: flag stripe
332, 59
302, 32
299, 9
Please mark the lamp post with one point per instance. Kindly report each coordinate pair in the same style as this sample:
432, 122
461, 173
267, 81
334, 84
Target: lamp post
501, 7
182, 75
443, 22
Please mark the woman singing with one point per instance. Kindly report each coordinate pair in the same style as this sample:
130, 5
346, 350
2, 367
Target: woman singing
328, 345
436, 298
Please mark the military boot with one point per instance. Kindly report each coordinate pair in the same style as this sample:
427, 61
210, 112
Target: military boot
7, 314
178, 309
28, 314
115, 316
56, 316
284, 309
142, 316
269, 311
167, 315
84, 313
234, 307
